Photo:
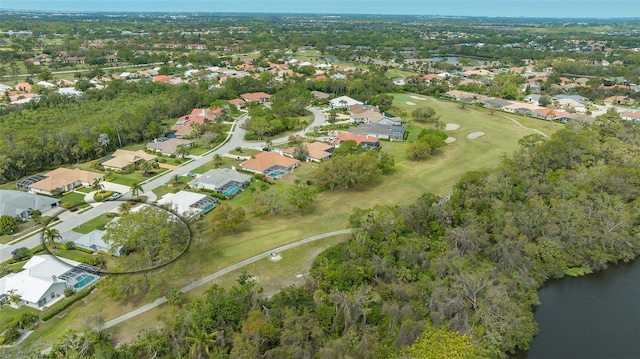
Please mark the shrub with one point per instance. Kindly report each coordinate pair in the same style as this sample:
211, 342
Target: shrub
70, 245
37, 249
66, 205
218, 195
84, 250
68, 292
64, 304
10, 335
259, 176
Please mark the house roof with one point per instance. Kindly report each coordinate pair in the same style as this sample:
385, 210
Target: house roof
359, 138
93, 238
266, 160
518, 105
255, 96
237, 102
61, 177
219, 177
372, 115
618, 98
634, 114
123, 158
376, 129
162, 78
320, 94
338, 101
552, 112
183, 201
498, 101
14, 203
35, 280
317, 150
169, 146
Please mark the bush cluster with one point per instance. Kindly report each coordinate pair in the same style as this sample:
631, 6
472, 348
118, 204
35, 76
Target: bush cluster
62, 305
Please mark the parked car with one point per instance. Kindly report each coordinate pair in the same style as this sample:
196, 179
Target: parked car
114, 196
15, 251
191, 174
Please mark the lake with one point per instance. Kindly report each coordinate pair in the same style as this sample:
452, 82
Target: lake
593, 316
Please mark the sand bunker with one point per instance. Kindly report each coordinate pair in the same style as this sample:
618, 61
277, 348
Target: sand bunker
452, 127
450, 140
474, 135
418, 98
411, 103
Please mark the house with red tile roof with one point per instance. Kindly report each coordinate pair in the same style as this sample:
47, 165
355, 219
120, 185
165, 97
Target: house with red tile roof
270, 164
64, 179
619, 100
238, 103
363, 140
317, 151
551, 114
162, 78
23, 86
260, 97
631, 115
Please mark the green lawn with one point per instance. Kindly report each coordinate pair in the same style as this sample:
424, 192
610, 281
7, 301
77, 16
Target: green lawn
96, 223
172, 187
226, 163
73, 199
245, 152
73, 254
331, 209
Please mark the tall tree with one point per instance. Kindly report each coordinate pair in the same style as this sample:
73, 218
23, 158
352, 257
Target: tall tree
51, 235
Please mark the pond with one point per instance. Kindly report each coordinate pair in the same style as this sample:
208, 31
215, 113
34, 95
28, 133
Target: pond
593, 316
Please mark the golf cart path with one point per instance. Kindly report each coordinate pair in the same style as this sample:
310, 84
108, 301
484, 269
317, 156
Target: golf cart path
222, 272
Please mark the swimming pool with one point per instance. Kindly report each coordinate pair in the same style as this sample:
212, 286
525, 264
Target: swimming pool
83, 280
276, 174
231, 191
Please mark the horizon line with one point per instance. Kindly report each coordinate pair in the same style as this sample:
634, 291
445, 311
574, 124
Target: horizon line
313, 13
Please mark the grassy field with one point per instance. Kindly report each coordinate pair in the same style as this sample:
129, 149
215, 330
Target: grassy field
330, 212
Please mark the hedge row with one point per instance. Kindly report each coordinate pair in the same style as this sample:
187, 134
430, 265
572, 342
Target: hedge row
60, 306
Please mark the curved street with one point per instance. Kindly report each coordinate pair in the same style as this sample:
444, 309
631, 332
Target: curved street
70, 220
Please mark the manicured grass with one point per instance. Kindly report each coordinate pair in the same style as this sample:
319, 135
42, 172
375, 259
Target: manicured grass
172, 187
245, 152
96, 223
73, 254
226, 163
73, 199
8, 314
331, 210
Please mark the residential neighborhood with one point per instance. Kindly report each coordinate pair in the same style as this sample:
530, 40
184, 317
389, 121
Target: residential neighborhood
202, 184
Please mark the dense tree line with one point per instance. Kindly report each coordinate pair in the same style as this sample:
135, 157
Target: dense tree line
57, 130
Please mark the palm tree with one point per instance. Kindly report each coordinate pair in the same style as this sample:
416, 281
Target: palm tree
136, 188
145, 166
217, 161
97, 186
182, 151
200, 342
124, 208
50, 235
176, 179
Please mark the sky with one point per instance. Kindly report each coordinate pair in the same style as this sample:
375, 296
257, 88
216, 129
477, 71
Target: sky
491, 8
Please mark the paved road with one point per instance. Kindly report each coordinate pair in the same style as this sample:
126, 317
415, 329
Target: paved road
222, 272
235, 138
216, 275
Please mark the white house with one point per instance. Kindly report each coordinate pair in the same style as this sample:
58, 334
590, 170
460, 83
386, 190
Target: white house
344, 102
93, 241
189, 204
223, 180
44, 280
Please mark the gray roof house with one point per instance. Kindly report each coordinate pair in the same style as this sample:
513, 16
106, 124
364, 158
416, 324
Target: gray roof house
390, 132
167, 146
18, 203
497, 103
223, 180
93, 241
